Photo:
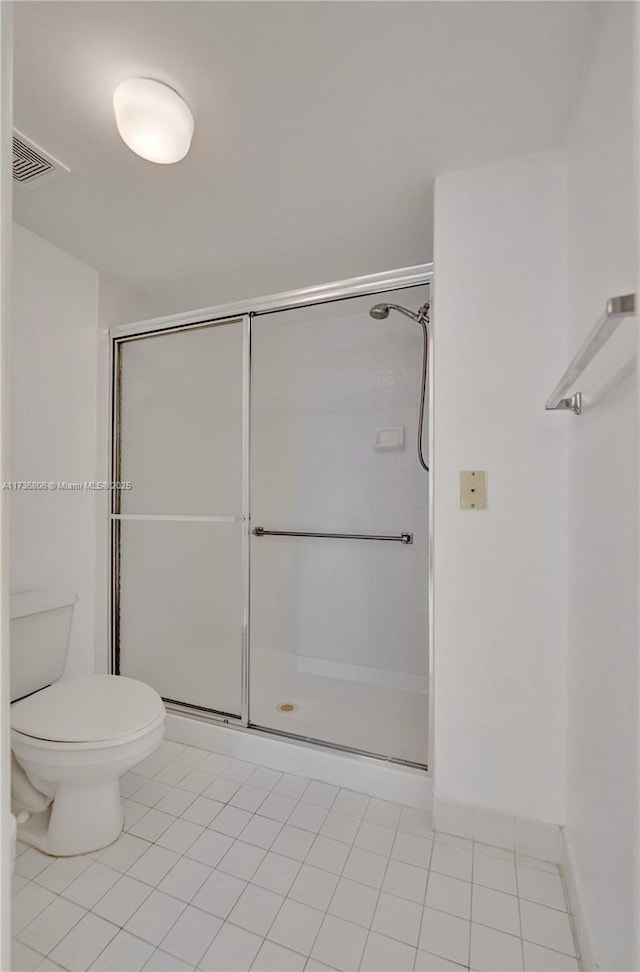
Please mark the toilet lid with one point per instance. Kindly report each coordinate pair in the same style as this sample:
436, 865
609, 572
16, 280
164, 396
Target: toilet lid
90, 709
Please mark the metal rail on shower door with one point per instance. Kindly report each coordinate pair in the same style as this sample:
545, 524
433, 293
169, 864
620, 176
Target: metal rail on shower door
617, 309
261, 532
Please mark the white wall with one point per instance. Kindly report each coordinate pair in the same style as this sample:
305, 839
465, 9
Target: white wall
53, 428
602, 752
500, 574
61, 312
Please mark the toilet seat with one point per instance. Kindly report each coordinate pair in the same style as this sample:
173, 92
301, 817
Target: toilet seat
92, 711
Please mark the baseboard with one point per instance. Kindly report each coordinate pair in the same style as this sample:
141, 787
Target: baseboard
376, 777
535, 838
581, 925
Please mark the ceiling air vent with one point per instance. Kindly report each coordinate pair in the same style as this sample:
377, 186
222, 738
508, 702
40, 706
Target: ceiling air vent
31, 164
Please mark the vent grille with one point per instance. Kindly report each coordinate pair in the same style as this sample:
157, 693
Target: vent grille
31, 163
28, 164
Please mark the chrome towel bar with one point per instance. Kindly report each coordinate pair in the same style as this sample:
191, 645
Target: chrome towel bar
616, 310
261, 532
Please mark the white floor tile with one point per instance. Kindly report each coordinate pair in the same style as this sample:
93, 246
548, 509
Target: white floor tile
18, 882
406, 881
320, 794
48, 965
418, 822
340, 826
163, 962
375, 838
242, 860
494, 951
447, 859
185, 878
398, 918
197, 781
291, 785
192, 756
265, 779
23, 958
363, 866
120, 902
219, 894
151, 793
131, 782
330, 855
152, 824
276, 873
314, 887
293, 842
537, 863
171, 774
249, 797
176, 801
180, 835
209, 848
153, 865
132, 812
261, 831
411, 849
154, 916
222, 790
275, 958
82, 945
255, 909
51, 925
351, 803
426, 962
202, 811
464, 843
449, 894
496, 909
307, 816
296, 926
313, 965
238, 770
169, 750
539, 959
277, 807
383, 954
121, 855
545, 926
62, 872
215, 763
150, 766
191, 935
383, 812
445, 935
340, 943
28, 903
232, 950
230, 821
494, 872
124, 953
31, 862
535, 885
354, 902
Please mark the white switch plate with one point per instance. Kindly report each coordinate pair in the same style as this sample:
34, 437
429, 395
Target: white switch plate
473, 489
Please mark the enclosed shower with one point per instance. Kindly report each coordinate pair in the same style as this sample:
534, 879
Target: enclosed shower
271, 563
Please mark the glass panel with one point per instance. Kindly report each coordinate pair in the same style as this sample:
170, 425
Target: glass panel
181, 429
339, 627
181, 607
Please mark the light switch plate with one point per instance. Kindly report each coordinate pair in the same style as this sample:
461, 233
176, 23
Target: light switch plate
473, 489
390, 439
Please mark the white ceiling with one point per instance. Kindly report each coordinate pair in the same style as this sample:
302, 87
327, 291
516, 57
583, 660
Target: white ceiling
319, 130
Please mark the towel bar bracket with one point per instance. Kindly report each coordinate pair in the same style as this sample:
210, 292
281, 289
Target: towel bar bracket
571, 404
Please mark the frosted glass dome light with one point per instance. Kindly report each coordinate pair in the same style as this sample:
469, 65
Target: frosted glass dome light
153, 120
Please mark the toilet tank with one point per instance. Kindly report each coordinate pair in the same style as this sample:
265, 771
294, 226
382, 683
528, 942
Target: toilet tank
40, 625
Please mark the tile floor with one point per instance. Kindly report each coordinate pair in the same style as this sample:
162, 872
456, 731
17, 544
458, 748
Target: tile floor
225, 866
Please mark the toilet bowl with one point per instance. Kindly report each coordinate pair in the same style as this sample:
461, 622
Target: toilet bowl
74, 740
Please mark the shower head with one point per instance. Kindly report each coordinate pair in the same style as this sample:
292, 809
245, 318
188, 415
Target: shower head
379, 312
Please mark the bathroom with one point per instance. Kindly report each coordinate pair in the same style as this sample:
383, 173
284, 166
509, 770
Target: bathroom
353, 648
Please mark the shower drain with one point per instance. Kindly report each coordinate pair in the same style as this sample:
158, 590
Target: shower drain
286, 707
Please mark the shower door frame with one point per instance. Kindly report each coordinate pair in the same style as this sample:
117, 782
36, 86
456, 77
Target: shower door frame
242, 313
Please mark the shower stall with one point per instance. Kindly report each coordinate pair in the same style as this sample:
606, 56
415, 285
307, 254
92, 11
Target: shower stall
271, 561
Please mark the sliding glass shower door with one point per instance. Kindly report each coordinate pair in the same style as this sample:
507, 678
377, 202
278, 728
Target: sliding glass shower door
339, 625
181, 563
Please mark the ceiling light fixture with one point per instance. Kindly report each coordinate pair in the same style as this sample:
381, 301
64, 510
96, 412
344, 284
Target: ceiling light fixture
153, 120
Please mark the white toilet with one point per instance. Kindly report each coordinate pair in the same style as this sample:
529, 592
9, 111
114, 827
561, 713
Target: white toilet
71, 739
